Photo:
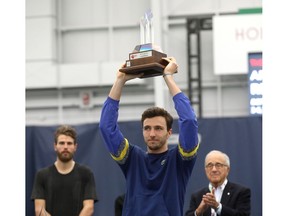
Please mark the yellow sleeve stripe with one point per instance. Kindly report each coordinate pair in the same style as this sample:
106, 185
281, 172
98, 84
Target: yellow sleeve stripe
123, 151
188, 154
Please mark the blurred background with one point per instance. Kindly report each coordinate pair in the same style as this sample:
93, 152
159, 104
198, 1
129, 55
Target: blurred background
74, 48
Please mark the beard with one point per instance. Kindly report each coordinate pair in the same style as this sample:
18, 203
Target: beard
155, 146
65, 156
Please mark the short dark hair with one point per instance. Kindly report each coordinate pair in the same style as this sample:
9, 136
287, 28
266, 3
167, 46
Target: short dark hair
157, 111
65, 130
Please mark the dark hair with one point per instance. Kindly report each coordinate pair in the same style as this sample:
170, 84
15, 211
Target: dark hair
65, 130
157, 111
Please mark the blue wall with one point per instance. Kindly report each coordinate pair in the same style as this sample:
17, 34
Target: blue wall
240, 138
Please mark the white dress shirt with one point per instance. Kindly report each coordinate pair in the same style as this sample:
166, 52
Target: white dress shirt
218, 194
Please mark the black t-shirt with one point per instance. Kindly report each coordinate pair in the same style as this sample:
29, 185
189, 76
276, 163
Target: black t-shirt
64, 193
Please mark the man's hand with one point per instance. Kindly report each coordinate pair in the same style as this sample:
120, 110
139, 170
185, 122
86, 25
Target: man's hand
210, 199
201, 208
126, 76
172, 66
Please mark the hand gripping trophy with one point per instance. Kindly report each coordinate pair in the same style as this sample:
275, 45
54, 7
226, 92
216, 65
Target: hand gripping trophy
147, 57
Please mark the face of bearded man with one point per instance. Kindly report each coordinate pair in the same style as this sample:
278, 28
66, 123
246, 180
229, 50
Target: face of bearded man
65, 156
65, 148
156, 135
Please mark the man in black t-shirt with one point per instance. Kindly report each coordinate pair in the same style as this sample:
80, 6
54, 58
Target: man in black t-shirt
65, 188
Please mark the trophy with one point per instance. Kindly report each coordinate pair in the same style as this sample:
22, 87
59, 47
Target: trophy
147, 57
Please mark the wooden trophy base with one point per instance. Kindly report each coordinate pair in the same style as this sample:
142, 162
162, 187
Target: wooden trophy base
148, 62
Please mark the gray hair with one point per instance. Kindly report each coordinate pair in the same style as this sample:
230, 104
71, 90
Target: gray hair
226, 158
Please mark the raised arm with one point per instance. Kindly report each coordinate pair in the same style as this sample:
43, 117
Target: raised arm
188, 126
168, 73
111, 134
121, 79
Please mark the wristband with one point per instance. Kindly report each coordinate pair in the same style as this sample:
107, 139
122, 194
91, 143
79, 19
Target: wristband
166, 74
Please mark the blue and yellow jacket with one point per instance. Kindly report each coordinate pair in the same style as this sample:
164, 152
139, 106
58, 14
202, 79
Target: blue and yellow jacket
156, 183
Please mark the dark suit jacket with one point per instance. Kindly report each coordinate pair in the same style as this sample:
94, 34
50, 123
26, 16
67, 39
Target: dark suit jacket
236, 200
118, 205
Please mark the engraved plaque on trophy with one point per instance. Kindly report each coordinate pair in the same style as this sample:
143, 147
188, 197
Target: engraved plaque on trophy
147, 57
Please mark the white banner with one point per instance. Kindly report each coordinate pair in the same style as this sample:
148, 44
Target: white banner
234, 36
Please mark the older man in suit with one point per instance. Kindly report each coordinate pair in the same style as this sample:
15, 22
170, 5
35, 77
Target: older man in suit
221, 197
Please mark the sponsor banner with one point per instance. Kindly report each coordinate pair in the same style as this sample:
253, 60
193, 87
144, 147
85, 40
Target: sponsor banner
234, 36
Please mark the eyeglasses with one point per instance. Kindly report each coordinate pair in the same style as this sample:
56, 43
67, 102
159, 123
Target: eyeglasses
217, 165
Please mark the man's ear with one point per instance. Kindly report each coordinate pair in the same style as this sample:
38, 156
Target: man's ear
170, 132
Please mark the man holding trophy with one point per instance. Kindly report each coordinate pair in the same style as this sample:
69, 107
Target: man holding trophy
156, 178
